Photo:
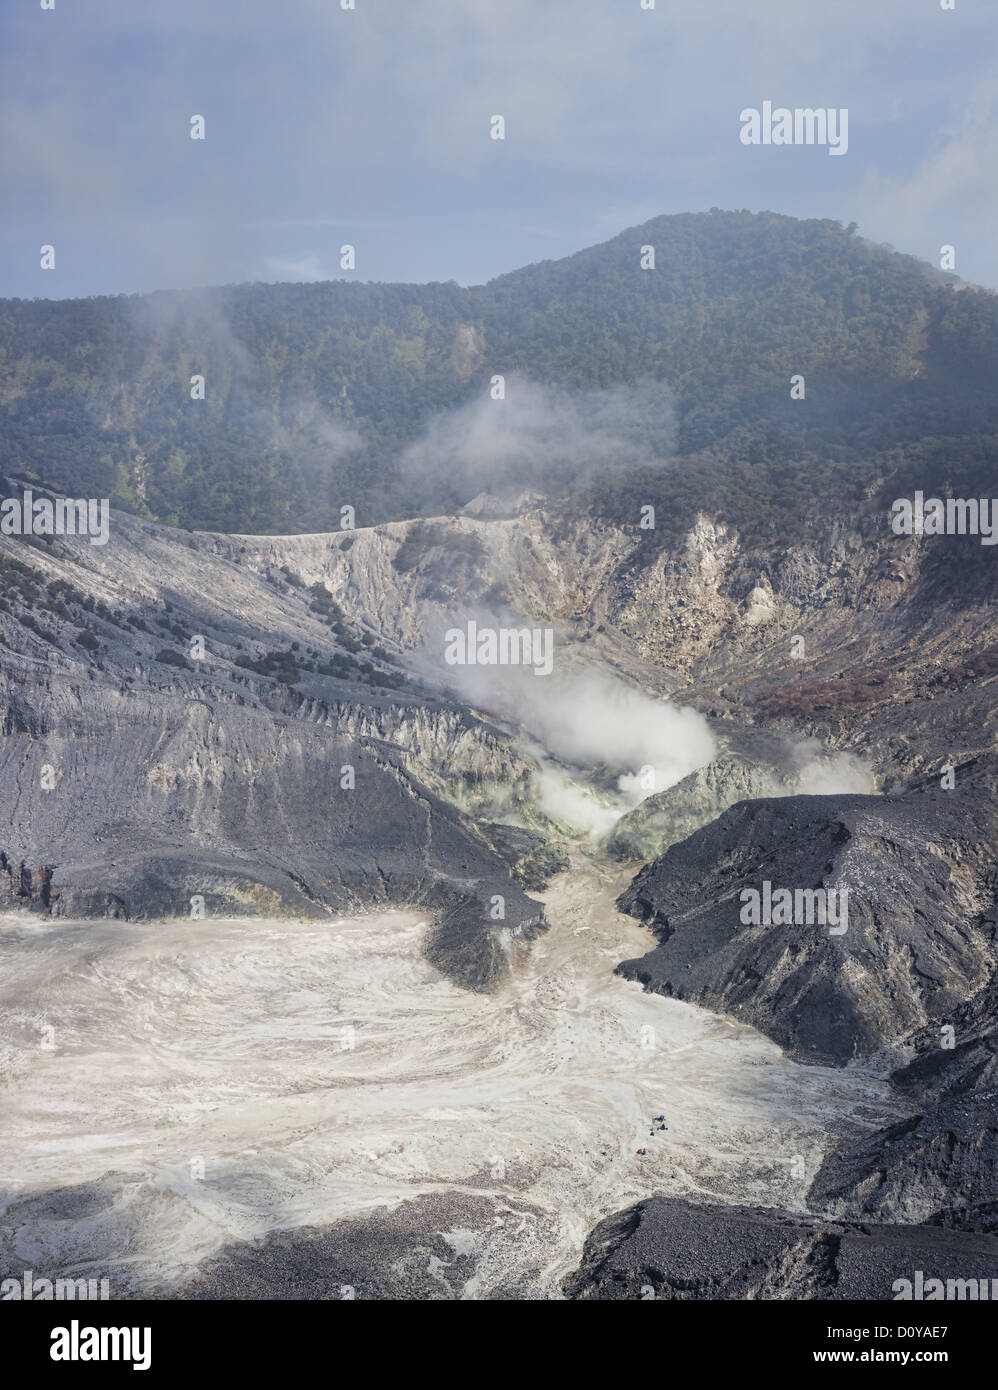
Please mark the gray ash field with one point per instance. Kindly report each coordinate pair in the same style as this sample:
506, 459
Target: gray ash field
253, 1107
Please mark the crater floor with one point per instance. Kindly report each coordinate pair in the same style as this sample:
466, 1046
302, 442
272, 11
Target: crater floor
172, 1088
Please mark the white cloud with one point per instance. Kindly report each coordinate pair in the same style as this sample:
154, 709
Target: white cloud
955, 181
305, 267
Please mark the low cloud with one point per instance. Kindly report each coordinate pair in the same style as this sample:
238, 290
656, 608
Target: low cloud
304, 267
955, 174
541, 436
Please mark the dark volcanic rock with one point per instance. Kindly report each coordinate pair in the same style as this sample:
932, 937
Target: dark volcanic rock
168, 800
401, 1253
920, 937
669, 1248
941, 1164
971, 1065
981, 1217
958, 1055
944, 1159
531, 859
21, 886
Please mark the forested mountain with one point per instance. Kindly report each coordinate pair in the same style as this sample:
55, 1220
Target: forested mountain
312, 391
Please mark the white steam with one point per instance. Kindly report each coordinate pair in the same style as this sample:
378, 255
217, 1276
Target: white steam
591, 719
818, 772
601, 746
542, 436
570, 803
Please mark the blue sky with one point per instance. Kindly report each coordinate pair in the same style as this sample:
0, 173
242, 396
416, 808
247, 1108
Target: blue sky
371, 127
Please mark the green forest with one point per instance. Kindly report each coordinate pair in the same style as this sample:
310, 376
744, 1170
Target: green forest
313, 391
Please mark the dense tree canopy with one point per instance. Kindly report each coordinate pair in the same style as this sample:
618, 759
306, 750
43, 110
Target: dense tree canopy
312, 391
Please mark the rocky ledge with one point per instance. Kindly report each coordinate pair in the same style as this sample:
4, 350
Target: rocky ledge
667, 1248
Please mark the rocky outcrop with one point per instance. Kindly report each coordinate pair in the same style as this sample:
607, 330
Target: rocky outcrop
667, 1248
531, 859
918, 940
945, 1160
915, 969
670, 816
940, 1164
248, 812
22, 886
132, 786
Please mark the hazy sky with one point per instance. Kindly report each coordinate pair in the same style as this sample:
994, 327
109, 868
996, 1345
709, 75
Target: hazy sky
326, 126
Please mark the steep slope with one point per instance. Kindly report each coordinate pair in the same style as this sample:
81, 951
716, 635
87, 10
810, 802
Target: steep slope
238, 718
941, 1163
941, 1166
918, 937
264, 776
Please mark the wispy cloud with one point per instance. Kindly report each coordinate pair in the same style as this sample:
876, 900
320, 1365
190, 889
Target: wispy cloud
374, 124
305, 267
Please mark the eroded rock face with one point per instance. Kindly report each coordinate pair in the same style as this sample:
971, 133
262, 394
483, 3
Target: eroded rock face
957, 1067
943, 1161
531, 859
131, 783
940, 1164
249, 812
670, 816
917, 941
666, 1248
21, 886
